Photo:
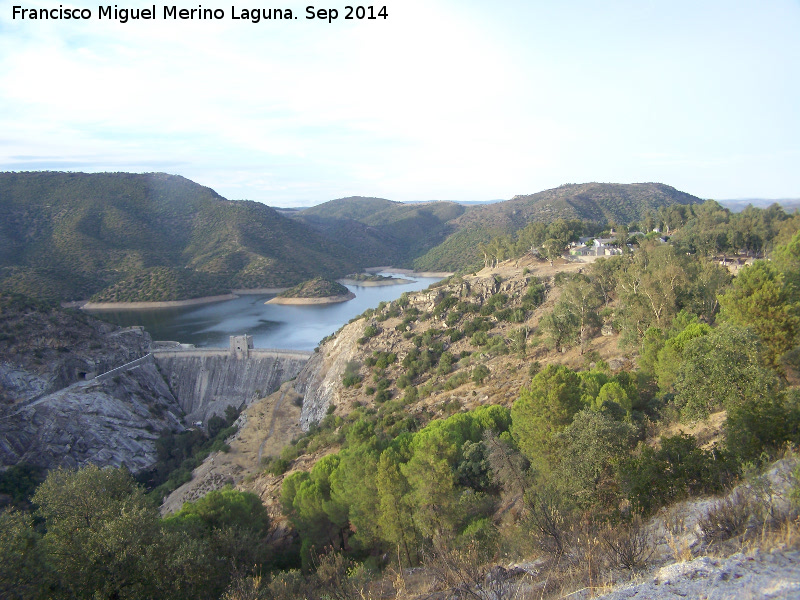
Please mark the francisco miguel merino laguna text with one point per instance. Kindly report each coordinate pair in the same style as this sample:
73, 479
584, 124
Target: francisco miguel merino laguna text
254, 15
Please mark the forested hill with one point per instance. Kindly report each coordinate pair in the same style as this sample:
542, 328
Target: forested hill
383, 232
126, 237
596, 202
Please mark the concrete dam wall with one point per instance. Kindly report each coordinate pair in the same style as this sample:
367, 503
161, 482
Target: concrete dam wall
205, 382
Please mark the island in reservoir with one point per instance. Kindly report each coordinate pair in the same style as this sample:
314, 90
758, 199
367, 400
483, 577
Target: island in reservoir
315, 291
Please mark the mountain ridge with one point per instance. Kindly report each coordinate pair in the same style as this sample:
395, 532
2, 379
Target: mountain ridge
70, 236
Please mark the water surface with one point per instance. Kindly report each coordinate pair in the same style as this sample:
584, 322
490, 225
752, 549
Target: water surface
271, 325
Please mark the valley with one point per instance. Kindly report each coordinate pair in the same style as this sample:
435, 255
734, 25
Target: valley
537, 424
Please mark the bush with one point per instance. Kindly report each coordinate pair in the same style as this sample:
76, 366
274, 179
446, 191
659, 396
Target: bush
351, 376
479, 339
276, 466
456, 380
629, 545
410, 395
726, 518
677, 470
479, 374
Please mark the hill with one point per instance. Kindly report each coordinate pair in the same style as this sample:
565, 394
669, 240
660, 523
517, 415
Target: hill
596, 202
316, 288
738, 205
127, 237
383, 232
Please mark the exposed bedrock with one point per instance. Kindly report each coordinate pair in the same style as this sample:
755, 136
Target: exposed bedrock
107, 422
320, 382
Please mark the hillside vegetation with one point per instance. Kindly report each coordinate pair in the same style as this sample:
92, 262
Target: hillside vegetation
532, 413
316, 288
382, 232
126, 237
597, 203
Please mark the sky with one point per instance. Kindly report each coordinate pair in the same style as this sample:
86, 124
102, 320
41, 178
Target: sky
443, 99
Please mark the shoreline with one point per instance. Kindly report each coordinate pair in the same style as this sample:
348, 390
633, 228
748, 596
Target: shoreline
147, 305
357, 283
259, 291
312, 301
409, 272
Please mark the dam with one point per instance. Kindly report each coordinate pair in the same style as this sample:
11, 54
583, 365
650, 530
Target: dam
205, 381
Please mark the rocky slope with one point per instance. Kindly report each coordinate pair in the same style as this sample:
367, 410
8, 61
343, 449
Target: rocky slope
44, 348
320, 382
53, 413
113, 422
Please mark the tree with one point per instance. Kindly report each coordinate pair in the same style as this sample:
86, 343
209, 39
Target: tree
650, 288
100, 532
599, 441
561, 326
231, 525
24, 572
543, 409
395, 515
722, 370
761, 299
582, 300
604, 272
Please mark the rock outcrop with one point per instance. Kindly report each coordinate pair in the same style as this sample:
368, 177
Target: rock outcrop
320, 381
109, 422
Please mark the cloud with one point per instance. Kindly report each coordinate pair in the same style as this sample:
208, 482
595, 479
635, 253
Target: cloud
442, 99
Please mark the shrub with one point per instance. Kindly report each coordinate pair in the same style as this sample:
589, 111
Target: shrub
676, 470
456, 380
479, 374
629, 545
726, 518
276, 466
479, 339
410, 394
351, 376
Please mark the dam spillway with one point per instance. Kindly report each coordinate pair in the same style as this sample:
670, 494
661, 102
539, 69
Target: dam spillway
206, 381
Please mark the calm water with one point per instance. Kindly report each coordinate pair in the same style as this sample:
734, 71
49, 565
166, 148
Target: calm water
271, 325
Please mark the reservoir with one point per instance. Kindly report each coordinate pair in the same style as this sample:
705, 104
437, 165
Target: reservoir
271, 325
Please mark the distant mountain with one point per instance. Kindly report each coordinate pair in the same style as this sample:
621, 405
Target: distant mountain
126, 237
738, 205
597, 202
383, 232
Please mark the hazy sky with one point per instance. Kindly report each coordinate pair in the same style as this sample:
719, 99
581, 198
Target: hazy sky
459, 100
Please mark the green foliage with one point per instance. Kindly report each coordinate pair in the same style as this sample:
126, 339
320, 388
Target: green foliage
760, 299
544, 409
678, 469
100, 532
24, 571
722, 370
153, 236
762, 424
318, 287
562, 326
225, 508
589, 450
20, 481
351, 375
479, 374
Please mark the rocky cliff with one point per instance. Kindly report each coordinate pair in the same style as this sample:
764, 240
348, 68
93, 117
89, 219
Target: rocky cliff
320, 381
110, 422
